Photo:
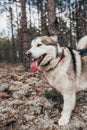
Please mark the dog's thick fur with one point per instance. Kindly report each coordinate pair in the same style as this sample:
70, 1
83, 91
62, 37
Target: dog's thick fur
64, 68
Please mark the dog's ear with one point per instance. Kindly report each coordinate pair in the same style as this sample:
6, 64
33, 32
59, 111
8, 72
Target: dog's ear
54, 38
49, 39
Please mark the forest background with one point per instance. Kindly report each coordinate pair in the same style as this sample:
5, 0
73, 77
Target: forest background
27, 19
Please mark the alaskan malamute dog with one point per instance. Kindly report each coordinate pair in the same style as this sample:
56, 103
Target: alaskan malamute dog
64, 68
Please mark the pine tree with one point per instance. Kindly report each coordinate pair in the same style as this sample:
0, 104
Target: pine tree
13, 42
24, 32
51, 8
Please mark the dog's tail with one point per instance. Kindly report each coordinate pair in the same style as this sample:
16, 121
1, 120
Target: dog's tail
82, 44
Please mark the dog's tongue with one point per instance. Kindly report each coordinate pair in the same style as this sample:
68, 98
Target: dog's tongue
34, 66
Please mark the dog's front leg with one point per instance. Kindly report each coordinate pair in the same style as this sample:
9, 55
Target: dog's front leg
69, 104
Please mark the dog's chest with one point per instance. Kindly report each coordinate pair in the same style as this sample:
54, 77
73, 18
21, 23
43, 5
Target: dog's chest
57, 80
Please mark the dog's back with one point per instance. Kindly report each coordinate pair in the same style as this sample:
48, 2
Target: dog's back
82, 44
82, 47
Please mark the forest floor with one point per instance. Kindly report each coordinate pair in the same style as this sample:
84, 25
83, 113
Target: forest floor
27, 102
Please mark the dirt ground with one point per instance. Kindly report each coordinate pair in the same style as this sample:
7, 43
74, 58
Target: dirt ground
27, 102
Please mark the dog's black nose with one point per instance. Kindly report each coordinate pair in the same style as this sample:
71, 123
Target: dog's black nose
28, 54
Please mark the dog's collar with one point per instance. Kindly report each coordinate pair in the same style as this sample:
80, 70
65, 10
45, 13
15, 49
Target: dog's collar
61, 57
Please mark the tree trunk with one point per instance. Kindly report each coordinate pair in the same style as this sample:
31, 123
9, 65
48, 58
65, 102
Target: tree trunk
42, 17
24, 31
19, 37
29, 3
70, 25
77, 21
85, 16
51, 8
13, 42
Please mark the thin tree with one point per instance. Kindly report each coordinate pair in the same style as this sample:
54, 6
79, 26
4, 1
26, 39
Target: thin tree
42, 16
29, 3
19, 35
24, 32
13, 42
69, 6
77, 20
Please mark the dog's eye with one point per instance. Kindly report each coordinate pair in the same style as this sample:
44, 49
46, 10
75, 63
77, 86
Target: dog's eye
39, 45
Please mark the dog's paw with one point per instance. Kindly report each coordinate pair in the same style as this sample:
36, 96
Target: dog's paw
63, 121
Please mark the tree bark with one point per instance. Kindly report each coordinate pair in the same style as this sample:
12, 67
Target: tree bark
70, 23
51, 8
77, 22
42, 17
13, 42
24, 32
